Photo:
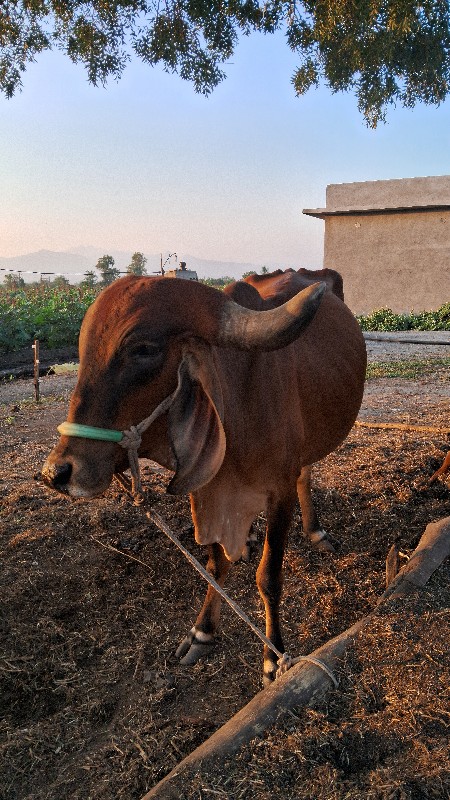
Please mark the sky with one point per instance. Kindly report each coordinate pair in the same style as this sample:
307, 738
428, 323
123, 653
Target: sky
147, 164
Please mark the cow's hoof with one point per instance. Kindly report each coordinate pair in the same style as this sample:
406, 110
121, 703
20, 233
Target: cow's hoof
324, 546
269, 672
321, 542
194, 646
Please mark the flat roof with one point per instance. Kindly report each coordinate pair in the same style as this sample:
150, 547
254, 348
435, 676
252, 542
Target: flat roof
321, 213
396, 196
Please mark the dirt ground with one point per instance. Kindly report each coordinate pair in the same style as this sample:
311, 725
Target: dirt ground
94, 601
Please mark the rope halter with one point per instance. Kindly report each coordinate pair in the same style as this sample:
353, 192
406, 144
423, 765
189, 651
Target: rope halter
130, 440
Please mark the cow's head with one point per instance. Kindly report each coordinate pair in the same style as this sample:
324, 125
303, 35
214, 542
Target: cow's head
147, 338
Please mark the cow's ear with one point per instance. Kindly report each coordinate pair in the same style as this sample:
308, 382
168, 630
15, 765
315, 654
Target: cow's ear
195, 422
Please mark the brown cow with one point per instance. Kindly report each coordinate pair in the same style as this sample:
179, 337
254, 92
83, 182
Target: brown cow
258, 396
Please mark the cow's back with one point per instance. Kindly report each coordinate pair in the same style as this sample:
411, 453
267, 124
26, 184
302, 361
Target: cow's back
310, 392
275, 288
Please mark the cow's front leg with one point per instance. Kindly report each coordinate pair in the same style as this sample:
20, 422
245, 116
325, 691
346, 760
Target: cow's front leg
201, 637
269, 579
312, 529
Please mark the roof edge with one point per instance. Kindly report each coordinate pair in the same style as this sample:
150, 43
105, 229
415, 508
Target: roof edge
321, 213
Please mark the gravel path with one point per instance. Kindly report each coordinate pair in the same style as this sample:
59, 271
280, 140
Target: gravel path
384, 349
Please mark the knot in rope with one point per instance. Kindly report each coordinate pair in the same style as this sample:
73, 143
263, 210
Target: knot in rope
131, 438
131, 441
284, 664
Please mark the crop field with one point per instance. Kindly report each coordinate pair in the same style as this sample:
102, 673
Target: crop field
41, 312
54, 316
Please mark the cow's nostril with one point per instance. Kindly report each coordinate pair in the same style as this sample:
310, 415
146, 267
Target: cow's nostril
57, 475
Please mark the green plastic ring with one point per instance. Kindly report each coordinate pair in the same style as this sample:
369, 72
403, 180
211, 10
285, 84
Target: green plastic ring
87, 432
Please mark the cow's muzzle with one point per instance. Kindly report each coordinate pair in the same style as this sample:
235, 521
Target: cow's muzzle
57, 476
78, 475
74, 476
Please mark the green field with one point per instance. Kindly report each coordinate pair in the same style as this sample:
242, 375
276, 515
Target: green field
54, 314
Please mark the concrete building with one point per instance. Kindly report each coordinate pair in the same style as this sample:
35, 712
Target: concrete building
187, 274
390, 240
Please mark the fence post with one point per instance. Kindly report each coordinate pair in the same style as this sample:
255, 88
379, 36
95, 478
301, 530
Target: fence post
36, 370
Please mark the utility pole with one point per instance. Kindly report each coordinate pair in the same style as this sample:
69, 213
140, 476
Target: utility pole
161, 269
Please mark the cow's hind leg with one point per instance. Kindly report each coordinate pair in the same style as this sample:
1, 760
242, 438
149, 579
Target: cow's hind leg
269, 579
200, 638
250, 545
311, 526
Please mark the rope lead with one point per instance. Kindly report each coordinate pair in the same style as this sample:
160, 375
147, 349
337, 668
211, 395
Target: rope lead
131, 442
285, 662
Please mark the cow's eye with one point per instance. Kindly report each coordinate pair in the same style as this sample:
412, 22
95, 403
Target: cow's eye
145, 350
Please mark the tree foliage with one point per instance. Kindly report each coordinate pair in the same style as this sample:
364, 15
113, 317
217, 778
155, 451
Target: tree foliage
385, 51
108, 272
60, 281
264, 271
217, 283
89, 279
137, 264
13, 281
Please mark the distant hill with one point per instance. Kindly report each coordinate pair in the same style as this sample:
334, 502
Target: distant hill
32, 265
75, 262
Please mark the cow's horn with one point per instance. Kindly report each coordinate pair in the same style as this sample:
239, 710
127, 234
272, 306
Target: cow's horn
268, 330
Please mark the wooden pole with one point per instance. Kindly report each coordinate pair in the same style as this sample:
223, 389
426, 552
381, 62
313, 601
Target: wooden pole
373, 337
400, 426
305, 680
36, 370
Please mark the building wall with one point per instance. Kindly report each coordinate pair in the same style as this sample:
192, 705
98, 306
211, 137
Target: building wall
399, 261
186, 274
390, 240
